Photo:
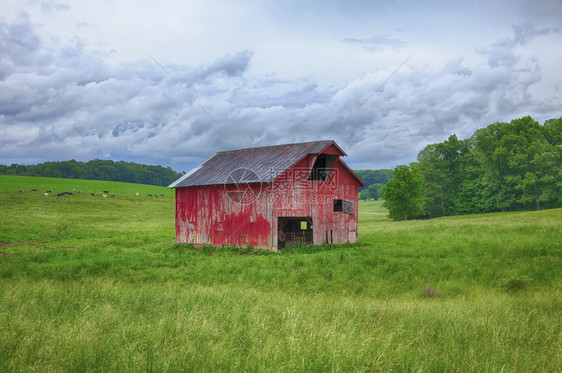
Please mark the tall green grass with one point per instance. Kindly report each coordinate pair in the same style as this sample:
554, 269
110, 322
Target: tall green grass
93, 284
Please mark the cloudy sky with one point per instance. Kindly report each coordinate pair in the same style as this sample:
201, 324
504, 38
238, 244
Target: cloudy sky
172, 82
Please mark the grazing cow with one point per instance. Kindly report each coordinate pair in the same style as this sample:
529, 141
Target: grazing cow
106, 191
45, 194
92, 194
49, 191
34, 190
60, 194
150, 195
137, 194
113, 196
21, 191
104, 196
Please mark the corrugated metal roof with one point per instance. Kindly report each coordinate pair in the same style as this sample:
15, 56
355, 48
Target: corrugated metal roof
249, 165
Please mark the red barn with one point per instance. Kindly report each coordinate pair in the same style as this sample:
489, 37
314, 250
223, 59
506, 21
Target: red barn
269, 197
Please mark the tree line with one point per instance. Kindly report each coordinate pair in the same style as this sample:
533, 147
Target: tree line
97, 169
375, 180
502, 167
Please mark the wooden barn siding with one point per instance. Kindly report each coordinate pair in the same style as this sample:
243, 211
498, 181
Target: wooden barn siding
218, 220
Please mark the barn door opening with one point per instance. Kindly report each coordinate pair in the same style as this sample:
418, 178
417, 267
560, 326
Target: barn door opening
293, 231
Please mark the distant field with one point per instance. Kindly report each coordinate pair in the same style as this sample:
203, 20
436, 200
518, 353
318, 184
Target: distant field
94, 284
27, 183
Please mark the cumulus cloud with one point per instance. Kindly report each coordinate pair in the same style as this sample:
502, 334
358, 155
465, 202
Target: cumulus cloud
62, 102
66, 102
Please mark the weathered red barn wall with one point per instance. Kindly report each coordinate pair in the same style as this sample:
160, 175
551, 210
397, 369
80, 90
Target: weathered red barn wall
208, 215
219, 215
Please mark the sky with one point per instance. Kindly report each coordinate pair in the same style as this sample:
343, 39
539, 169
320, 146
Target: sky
172, 82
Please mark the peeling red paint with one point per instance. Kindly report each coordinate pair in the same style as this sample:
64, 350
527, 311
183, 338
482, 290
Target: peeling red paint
249, 215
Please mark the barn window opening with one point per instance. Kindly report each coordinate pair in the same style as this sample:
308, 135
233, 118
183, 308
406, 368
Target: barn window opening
341, 205
319, 169
338, 205
322, 167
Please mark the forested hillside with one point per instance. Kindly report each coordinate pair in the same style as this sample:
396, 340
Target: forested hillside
375, 179
97, 170
503, 167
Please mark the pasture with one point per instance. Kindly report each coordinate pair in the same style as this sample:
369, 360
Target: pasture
94, 284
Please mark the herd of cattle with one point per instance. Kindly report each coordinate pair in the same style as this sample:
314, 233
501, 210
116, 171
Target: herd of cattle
74, 191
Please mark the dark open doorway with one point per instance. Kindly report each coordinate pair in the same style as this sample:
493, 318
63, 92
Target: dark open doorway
293, 231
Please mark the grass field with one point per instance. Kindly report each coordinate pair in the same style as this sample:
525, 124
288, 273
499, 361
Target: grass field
98, 284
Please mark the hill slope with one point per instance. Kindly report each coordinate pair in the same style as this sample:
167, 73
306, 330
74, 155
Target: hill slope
93, 283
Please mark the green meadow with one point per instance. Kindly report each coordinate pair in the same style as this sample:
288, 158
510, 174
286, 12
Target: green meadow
98, 284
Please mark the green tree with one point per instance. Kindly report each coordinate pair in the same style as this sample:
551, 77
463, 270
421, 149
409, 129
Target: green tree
491, 149
403, 193
443, 168
363, 195
471, 198
533, 163
553, 131
521, 163
371, 192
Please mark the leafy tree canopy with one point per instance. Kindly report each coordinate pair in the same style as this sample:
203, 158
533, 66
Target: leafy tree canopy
403, 193
504, 166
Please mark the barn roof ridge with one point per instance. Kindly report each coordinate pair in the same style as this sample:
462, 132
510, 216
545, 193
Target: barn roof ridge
265, 162
277, 145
